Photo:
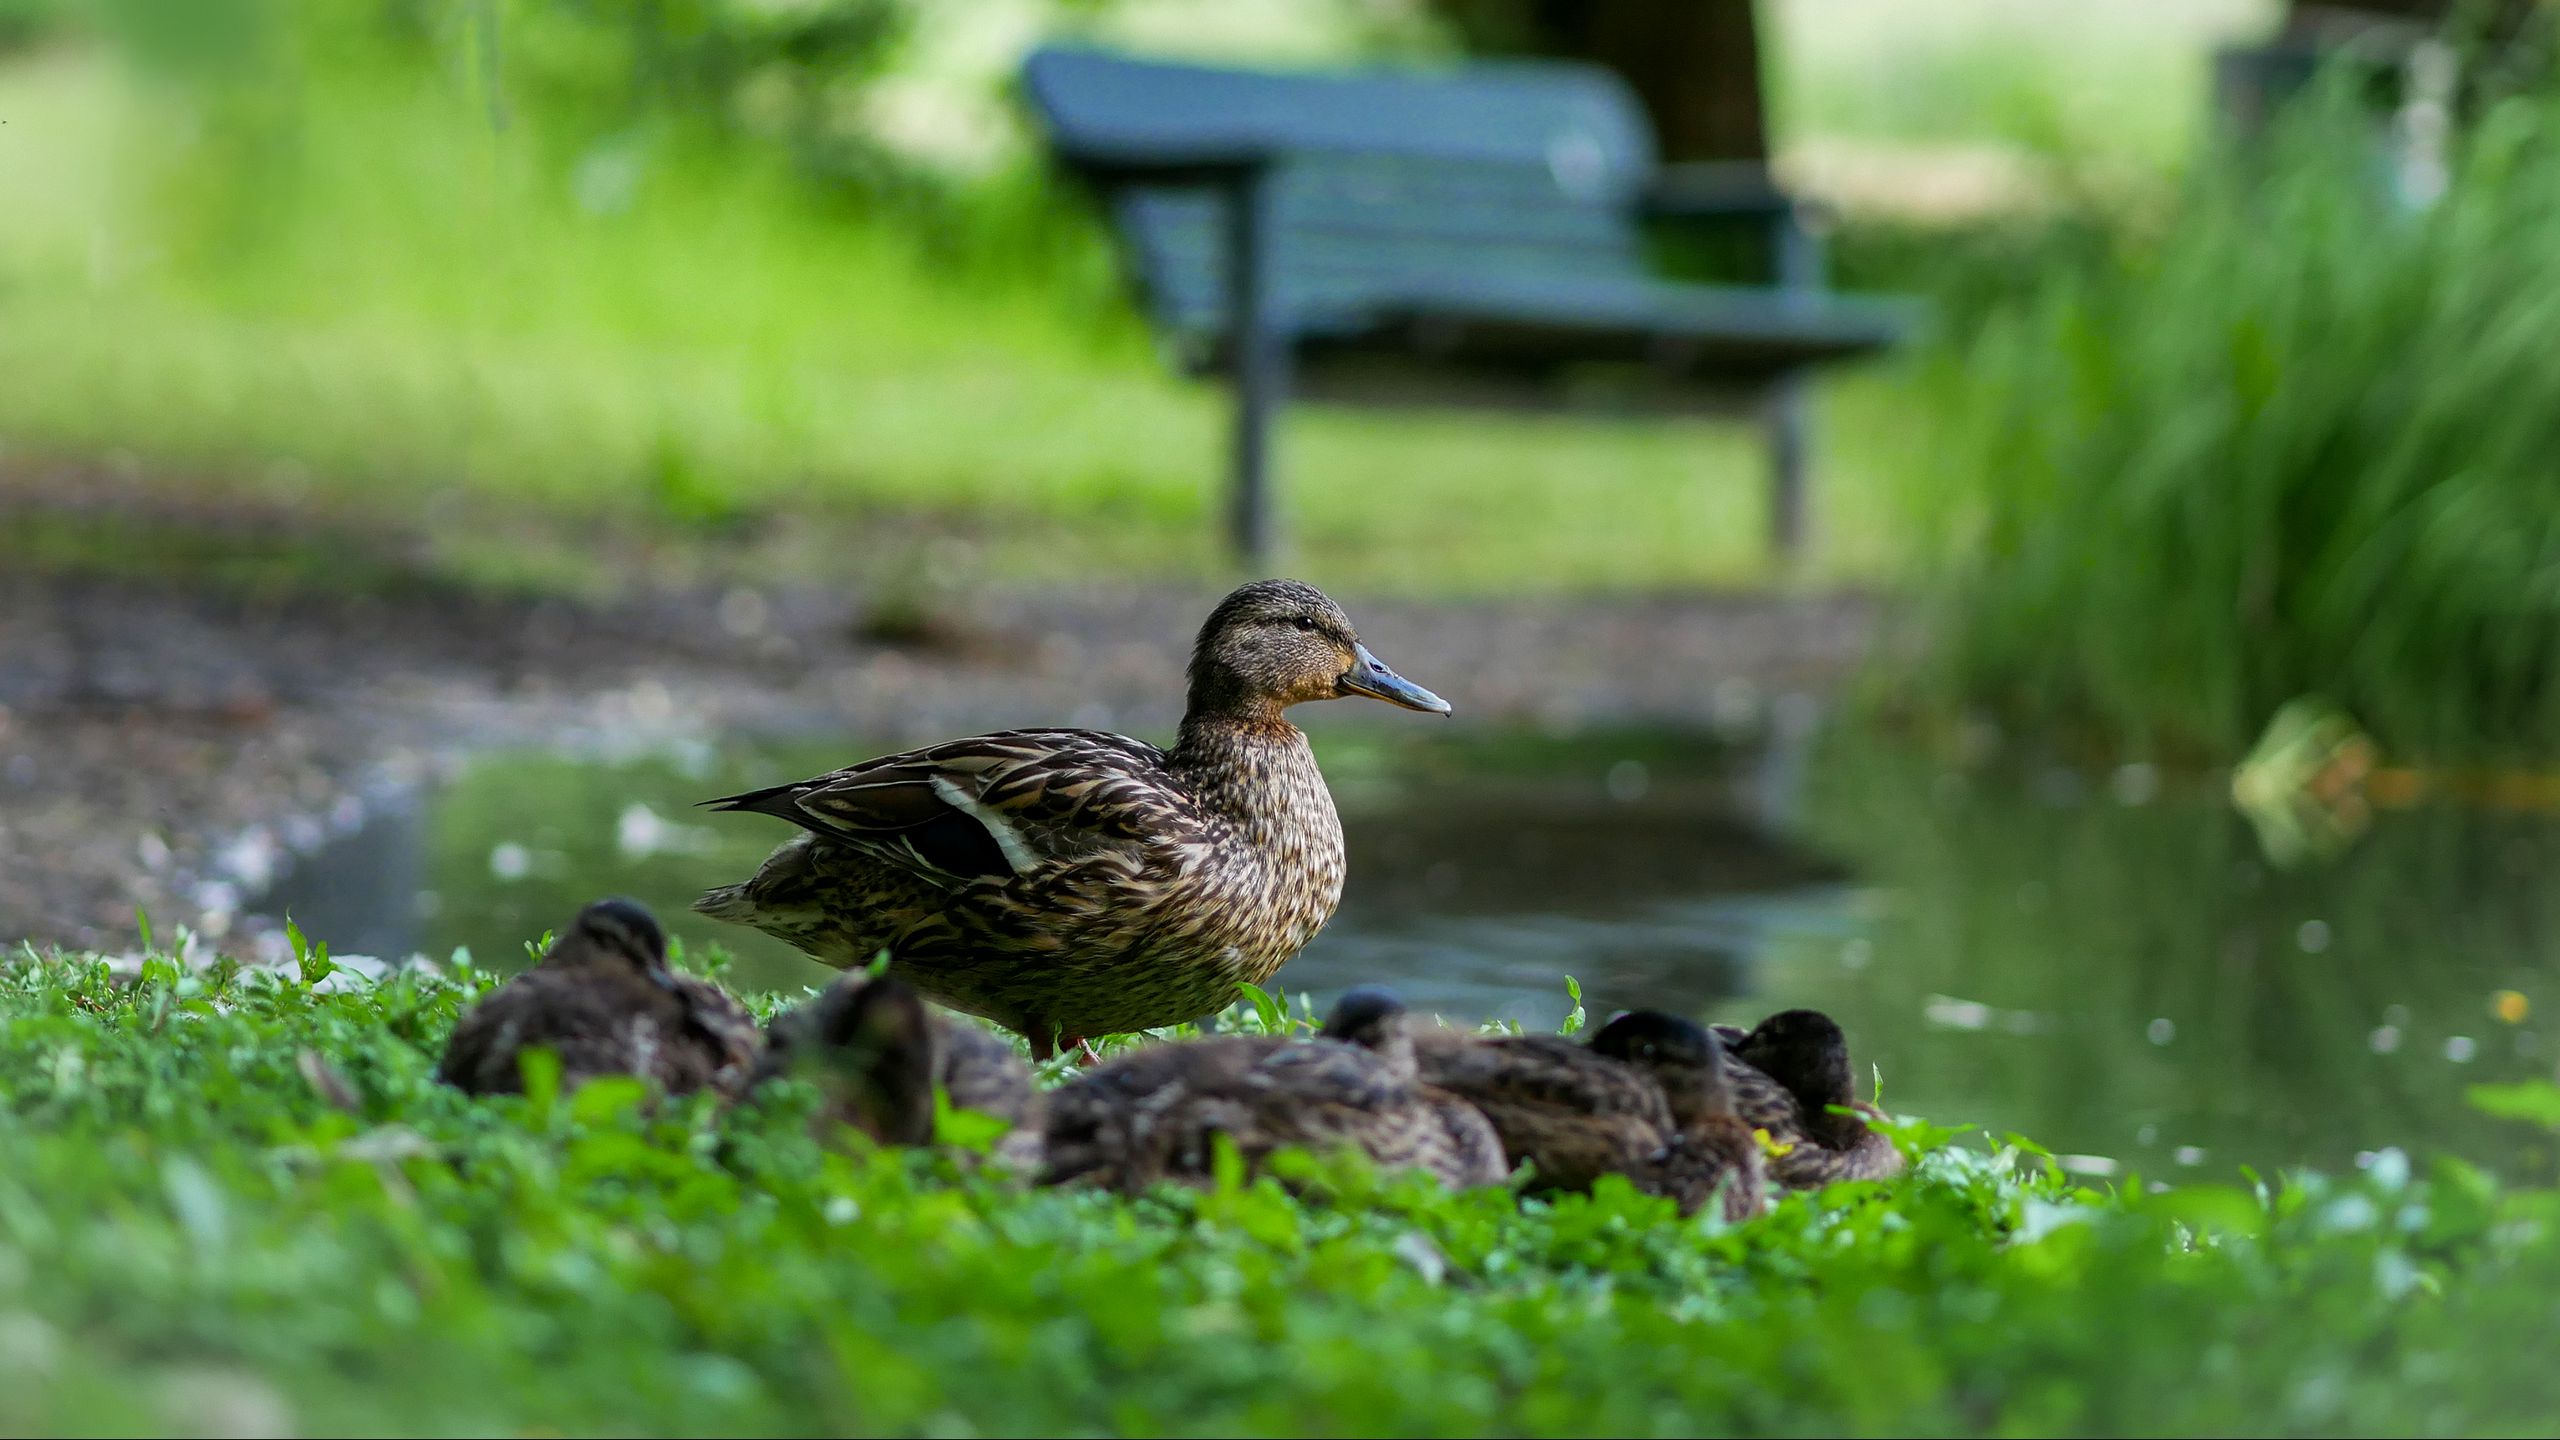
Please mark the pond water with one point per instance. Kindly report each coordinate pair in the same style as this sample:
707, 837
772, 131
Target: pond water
2106, 964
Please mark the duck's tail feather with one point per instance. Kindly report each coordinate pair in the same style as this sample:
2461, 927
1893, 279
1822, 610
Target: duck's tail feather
727, 902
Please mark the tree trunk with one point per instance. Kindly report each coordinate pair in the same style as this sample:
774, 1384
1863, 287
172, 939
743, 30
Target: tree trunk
1695, 64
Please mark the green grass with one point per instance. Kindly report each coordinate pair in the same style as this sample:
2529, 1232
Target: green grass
2299, 444
191, 1238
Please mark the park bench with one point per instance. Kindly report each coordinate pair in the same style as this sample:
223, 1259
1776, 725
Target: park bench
1475, 235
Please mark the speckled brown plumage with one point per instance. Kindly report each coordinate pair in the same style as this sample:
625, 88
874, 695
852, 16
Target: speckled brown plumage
1157, 1114
1785, 1075
877, 1054
1576, 1112
604, 1001
1074, 883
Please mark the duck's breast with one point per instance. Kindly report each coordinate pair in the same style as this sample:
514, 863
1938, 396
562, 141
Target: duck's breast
1272, 870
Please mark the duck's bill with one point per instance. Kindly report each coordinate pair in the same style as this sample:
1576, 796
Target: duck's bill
1370, 676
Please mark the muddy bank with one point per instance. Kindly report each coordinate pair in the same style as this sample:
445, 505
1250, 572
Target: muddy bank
171, 749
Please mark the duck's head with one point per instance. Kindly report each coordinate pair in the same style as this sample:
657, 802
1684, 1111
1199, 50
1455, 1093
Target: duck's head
1804, 1051
1369, 1016
1682, 1056
616, 932
1277, 643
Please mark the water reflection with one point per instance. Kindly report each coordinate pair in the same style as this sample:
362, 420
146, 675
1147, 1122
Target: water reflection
2110, 968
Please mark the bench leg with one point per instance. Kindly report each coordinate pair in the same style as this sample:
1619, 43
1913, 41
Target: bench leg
1790, 422
1262, 388
1261, 364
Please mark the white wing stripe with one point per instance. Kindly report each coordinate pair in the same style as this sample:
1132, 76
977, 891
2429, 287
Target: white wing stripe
1016, 853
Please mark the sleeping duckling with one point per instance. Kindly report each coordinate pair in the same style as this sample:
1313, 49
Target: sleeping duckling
1577, 1112
1156, 1114
878, 1053
604, 1000
1440, 1132
1787, 1075
1715, 1150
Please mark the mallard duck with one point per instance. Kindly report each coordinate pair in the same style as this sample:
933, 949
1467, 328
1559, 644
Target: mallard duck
878, 1053
1787, 1075
1156, 1114
604, 1000
1644, 1099
1068, 884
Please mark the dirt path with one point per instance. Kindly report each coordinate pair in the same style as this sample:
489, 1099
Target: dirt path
167, 748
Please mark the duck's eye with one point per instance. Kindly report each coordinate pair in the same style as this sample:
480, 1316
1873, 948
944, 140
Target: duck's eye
1304, 622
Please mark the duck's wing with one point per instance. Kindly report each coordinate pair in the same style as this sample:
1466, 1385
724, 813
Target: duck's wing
1116, 1125
995, 805
1538, 1070
1571, 1114
1471, 1152
1763, 1103
589, 1033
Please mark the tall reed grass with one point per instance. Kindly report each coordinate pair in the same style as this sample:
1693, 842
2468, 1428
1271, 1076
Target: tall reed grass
2303, 442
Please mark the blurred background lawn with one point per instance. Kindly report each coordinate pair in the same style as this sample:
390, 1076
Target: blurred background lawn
563, 265
568, 294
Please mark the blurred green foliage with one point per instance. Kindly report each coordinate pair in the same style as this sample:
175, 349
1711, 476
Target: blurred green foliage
191, 1236
2297, 440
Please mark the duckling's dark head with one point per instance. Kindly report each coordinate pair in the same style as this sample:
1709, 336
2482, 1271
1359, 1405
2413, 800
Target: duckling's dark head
1277, 643
1804, 1051
1681, 1055
1370, 1016
874, 1057
617, 930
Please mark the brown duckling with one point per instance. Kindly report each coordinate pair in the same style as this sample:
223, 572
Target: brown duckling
1156, 1114
1716, 1150
878, 1053
1644, 1099
604, 1000
1787, 1074
1069, 884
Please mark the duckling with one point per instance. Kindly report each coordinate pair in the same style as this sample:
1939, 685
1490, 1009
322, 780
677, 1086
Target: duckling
1715, 1151
604, 1000
1787, 1074
1440, 1132
1069, 884
1156, 1114
1644, 1099
878, 1052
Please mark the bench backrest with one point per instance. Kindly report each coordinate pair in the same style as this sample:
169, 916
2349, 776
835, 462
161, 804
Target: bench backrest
1527, 168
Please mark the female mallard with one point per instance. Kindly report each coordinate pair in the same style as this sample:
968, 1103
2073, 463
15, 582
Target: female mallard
1645, 1099
1158, 1113
1071, 883
604, 1001
1791, 1077
877, 1055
